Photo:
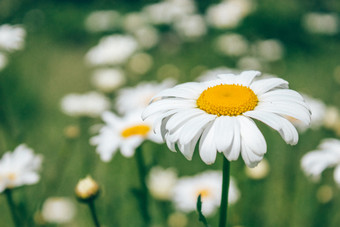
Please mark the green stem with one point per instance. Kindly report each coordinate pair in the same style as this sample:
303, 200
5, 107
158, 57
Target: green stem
225, 192
12, 207
93, 213
144, 190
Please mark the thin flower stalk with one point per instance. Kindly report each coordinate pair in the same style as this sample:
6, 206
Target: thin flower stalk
144, 200
93, 212
225, 193
12, 207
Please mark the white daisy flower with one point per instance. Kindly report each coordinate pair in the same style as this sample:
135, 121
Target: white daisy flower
228, 13
138, 97
258, 172
321, 23
102, 20
269, 50
166, 12
19, 168
112, 50
209, 186
12, 37
58, 210
108, 79
90, 104
191, 27
232, 44
220, 112
161, 182
326, 156
126, 134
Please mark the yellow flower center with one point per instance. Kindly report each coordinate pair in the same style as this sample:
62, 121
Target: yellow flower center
137, 130
12, 176
227, 99
203, 192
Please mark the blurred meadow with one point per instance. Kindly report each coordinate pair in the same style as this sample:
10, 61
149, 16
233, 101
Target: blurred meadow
275, 37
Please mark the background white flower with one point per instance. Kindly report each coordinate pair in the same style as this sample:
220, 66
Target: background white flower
209, 185
19, 167
138, 97
167, 11
125, 134
321, 23
258, 172
12, 37
228, 13
112, 50
108, 79
326, 156
102, 20
58, 210
90, 104
191, 27
161, 182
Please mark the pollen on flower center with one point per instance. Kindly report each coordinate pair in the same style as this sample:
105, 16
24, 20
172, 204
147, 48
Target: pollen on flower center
227, 99
204, 193
137, 130
12, 176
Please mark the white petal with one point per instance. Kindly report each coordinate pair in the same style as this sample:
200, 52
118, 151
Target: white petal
234, 152
251, 136
181, 117
164, 105
30, 178
190, 90
194, 126
207, 147
188, 149
289, 98
224, 131
170, 143
246, 77
157, 123
262, 86
129, 145
253, 143
292, 110
250, 158
279, 123
284, 93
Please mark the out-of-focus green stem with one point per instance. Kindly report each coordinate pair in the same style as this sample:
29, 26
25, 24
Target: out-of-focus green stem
144, 203
12, 207
225, 192
93, 213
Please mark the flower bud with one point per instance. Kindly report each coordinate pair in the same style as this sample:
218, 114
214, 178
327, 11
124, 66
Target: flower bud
87, 189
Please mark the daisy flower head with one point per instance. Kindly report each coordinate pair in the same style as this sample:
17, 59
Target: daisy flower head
326, 156
91, 104
161, 182
12, 37
207, 184
138, 97
219, 113
19, 168
123, 133
58, 210
112, 50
